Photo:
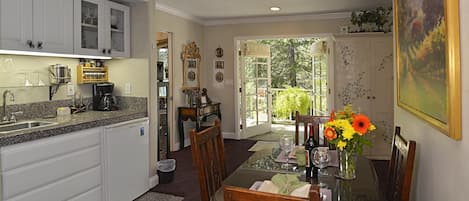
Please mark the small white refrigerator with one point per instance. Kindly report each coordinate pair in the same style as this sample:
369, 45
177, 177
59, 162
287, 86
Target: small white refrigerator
126, 174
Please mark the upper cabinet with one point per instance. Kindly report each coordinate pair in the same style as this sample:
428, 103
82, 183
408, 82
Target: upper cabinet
102, 28
37, 25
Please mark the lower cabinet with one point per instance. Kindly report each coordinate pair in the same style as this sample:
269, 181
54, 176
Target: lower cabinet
88, 165
64, 167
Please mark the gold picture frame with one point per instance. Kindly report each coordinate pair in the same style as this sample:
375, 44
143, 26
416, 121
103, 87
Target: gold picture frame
428, 62
190, 57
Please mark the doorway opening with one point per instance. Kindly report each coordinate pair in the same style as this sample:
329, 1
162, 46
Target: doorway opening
163, 90
278, 76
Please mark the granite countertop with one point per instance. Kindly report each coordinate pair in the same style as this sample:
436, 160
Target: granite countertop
77, 122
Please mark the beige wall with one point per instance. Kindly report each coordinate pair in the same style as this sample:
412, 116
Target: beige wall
223, 36
183, 31
441, 165
15, 69
131, 71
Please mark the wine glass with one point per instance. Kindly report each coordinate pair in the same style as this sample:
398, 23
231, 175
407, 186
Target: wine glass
321, 160
286, 144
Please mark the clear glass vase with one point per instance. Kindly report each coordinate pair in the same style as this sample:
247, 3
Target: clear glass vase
347, 164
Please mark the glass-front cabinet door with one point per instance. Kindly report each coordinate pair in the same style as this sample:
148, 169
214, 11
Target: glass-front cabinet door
102, 28
117, 35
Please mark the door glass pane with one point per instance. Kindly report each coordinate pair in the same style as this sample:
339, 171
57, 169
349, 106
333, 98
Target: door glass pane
117, 30
89, 25
262, 70
262, 107
251, 101
320, 88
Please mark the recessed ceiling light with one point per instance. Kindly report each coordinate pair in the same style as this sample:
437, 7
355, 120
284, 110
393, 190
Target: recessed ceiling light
274, 9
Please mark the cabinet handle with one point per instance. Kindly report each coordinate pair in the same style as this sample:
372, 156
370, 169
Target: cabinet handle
368, 97
30, 43
39, 45
373, 97
109, 51
104, 51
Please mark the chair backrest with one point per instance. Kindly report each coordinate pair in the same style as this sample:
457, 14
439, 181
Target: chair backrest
208, 154
231, 193
400, 168
308, 120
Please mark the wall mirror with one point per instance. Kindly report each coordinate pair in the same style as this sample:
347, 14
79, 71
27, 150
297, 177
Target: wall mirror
191, 65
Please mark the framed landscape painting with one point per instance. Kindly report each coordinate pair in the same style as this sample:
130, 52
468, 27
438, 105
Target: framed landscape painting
428, 62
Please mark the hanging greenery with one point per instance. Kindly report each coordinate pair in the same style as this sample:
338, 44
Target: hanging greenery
376, 20
290, 100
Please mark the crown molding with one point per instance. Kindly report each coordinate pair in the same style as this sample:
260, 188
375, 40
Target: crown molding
250, 20
178, 13
284, 18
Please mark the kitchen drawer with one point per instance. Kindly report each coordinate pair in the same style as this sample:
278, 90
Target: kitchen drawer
76, 187
36, 175
18, 155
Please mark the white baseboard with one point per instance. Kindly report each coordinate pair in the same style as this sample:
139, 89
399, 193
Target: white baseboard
154, 180
229, 135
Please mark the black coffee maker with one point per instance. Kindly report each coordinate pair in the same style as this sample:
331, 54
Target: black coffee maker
103, 100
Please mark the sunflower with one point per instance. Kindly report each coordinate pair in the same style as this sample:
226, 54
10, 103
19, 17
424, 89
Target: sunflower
330, 133
361, 123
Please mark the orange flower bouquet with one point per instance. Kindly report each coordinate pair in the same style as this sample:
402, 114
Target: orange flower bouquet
347, 130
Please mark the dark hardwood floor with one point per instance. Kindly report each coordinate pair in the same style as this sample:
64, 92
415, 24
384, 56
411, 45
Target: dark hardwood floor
186, 183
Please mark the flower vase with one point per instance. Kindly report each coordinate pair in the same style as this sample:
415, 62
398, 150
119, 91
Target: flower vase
347, 164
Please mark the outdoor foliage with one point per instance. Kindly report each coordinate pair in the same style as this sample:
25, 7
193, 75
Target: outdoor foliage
290, 100
291, 62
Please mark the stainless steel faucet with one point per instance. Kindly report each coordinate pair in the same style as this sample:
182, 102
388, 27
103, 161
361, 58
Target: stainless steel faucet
12, 98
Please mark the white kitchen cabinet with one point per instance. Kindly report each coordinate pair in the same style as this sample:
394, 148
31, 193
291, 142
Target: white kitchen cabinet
37, 25
364, 78
126, 159
64, 167
101, 28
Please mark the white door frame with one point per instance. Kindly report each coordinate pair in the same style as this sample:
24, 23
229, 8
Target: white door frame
236, 46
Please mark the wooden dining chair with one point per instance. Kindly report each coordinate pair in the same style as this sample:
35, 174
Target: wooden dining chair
400, 168
208, 155
307, 120
232, 193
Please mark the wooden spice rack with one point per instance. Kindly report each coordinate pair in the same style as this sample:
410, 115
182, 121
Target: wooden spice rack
89, 75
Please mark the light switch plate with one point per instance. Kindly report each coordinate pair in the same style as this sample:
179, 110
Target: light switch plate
128, 89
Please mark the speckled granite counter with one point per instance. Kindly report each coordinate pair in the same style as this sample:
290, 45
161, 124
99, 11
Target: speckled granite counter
77, 122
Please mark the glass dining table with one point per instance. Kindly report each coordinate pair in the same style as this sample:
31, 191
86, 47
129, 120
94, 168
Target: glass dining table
262, 166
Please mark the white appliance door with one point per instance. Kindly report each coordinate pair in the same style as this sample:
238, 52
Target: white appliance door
127, 160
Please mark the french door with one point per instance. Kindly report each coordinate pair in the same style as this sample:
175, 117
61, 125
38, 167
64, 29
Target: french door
255, 83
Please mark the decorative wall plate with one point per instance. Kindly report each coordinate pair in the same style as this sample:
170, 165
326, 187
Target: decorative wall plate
219, 77
219, 52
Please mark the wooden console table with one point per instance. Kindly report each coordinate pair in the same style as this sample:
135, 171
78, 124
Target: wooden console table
197, 114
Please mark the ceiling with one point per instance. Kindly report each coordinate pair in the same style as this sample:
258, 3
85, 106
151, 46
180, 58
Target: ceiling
206, 10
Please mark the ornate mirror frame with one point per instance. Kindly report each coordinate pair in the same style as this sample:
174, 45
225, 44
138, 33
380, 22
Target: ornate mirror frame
190, 57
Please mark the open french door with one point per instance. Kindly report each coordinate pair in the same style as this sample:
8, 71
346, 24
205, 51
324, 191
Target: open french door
255, 95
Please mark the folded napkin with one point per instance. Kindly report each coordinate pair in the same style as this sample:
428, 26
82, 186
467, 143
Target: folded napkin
287, 185
300, 157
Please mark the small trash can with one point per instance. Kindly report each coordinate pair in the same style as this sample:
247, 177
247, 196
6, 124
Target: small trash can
165, 169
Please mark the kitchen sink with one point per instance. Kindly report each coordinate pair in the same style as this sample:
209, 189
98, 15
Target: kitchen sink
24, 125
